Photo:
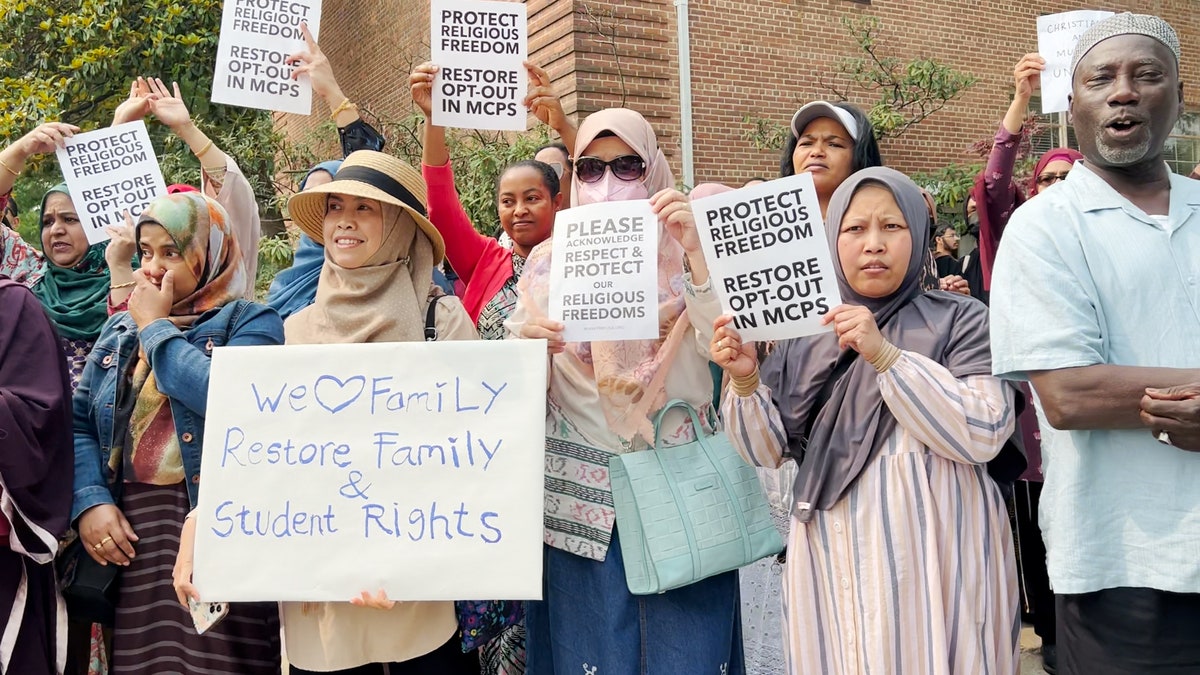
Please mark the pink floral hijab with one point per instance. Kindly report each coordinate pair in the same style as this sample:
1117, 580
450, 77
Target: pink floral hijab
631, 374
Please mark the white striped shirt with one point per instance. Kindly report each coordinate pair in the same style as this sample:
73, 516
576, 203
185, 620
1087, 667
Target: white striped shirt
912, 571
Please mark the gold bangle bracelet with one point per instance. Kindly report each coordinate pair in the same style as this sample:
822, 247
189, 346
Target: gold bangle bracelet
207, 146
744, 386
9, 169
344, 105
886, 358
127, 284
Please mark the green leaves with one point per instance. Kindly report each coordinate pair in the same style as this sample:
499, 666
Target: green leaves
905, 92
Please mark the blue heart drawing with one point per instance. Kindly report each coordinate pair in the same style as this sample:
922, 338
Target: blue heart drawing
341, 393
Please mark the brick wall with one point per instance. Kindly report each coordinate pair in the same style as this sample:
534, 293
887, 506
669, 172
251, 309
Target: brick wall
762, 58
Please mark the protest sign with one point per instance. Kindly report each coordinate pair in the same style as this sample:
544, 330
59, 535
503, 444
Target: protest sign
769, 258
108, 172
333, 469
479, 48
604, 272
1057, 35
256, 38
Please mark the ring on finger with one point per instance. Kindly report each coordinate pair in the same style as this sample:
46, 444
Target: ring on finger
105, 540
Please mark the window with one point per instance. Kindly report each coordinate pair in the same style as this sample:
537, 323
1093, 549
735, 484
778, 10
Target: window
1181, 151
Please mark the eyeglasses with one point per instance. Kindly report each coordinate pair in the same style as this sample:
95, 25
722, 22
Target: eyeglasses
625, 167
1051, 178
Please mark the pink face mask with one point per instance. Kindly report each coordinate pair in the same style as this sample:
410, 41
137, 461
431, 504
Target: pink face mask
611, 189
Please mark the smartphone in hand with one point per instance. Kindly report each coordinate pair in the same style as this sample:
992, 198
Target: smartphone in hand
205, 615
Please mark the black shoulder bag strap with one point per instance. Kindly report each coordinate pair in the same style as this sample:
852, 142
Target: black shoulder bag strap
431, 333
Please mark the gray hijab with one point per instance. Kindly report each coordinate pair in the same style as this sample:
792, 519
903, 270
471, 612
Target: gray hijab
855, 423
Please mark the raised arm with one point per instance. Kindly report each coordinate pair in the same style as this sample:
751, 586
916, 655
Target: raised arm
353, 131
546, 106
465, 247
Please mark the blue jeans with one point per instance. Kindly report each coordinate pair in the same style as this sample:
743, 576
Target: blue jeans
589, 623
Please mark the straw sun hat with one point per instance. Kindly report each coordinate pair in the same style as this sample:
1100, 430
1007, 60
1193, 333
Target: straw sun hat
371, 175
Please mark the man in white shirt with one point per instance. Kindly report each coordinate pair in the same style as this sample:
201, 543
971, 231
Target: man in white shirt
1095, 301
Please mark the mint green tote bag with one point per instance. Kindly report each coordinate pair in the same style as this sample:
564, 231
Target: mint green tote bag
688, 512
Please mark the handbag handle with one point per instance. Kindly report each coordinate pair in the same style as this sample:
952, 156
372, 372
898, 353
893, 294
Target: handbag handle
726, 486
676, 403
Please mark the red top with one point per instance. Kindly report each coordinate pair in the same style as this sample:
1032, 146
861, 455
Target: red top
480, 261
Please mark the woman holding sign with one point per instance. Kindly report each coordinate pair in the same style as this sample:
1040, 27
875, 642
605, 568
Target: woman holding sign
900, 553
376, 286
602, 397
139, 427
527, 197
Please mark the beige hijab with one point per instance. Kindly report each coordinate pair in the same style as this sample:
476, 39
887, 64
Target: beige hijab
383, 301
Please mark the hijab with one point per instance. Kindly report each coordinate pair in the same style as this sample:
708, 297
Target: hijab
76, 298
382, 301
296, 287
630, 375
199, 226
989, 231
850, 429
1064, 154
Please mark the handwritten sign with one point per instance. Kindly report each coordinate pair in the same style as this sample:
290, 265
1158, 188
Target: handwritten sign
108, 172
479, 48
604, 272
333, 469
769, 258
256, 38
1057, 35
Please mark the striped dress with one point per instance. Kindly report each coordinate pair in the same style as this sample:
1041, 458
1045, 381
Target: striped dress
912, 571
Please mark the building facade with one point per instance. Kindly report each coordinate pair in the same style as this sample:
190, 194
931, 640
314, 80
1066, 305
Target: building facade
758, 59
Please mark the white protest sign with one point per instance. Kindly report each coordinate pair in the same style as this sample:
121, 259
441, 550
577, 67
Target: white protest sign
769, 258
1057, 35
479, 48
333, 469
256, 38
110, 171
604, 272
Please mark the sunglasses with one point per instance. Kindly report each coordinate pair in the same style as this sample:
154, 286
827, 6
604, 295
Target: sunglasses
1051, 178
625, 167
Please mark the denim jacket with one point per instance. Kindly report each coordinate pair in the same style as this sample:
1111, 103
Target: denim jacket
180, 361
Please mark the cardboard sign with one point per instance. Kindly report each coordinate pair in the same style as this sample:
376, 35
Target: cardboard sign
604, 272
333, 469
108, 172
1057, 35
479, 48
256, 37
769, 258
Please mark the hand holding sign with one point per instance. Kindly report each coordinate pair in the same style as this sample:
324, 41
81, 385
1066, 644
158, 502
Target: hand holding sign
46, 138
856, 329
377, 601
735, 357
541, 328
420, 84
1027, 76
542, 101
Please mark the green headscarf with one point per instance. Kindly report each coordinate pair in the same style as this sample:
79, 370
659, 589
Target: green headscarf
76, 298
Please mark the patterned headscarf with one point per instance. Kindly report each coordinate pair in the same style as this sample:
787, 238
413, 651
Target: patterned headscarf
199, 226
1126, 23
